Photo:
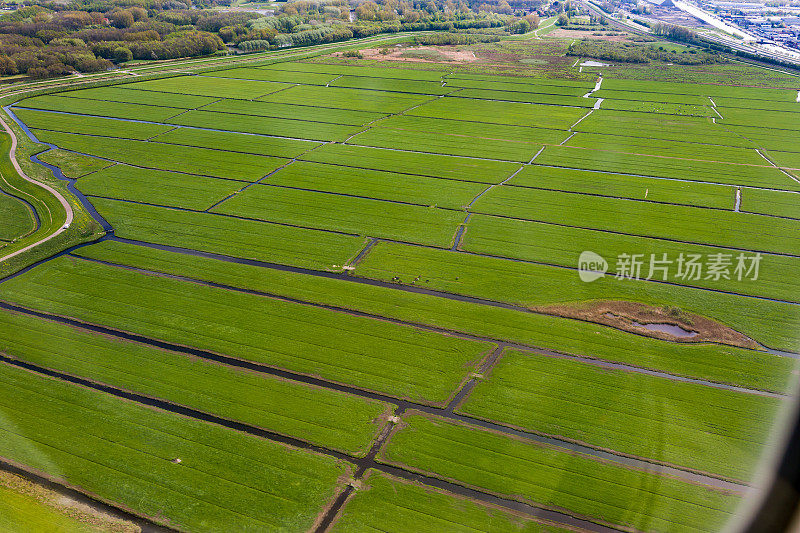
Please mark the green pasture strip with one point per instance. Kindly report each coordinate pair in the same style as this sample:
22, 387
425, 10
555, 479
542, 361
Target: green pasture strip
774, 119
766, 138
212, 87
683, 129
390, 84
372, 354
25, 512
437, 166
401, 73
525, 284
86, 106
547, 476
125, 93
187, 159
158, 187
646, 219
693, 426
701, 89
373, 218
263, 74
637, 145
71, 164
720, 363
396, 506
447, 144
16, 218
310, 413
601, 183
519, 83
237, 142
343, 98
249, 239
790, 160
785, 204
124, 452
751, 103
377, 184
530, 98
299, 129
493, 132
557, 245
512, 113
667, 167
105, 127
295, 112
639, 96
664, 108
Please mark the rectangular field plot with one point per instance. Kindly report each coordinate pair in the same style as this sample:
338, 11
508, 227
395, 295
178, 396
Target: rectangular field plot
519, 84
187, 159
665, 108
558, 245
510, 281
529, 471
399, 73
396, 506
661, 147
639, 96
100, 108
634, 187
123, 453
513, 113
248, 239
647, 219
374, 218
774, 119
345, 117
342, 98
391, 84
529, 285
376, 184
157, 187
766, 138
299, 129
700, 89
237, 142
124, 93
780, 203
524, 97
367, 353
437, 166
653, 126
264, 74
760, 175
447, 144
213, 87
71, 164
703, 428
107, 127
289, 408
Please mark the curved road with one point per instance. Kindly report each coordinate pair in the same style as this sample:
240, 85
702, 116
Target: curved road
61, 198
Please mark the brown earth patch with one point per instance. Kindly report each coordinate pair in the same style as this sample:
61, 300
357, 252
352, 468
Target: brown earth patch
632, 316
580, 34
396, 54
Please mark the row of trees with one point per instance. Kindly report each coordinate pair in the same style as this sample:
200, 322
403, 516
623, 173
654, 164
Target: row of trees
639, 53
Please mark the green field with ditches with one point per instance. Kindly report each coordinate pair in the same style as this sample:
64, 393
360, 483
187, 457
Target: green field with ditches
353, 296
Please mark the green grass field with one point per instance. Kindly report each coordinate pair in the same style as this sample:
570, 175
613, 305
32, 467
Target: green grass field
377, 262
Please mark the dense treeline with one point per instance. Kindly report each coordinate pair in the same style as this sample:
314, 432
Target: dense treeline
438, 39
640, 53
53, 37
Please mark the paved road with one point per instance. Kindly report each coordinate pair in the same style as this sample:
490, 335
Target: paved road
64, 202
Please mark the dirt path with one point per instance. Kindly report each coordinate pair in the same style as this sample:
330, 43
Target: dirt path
64, 202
